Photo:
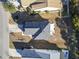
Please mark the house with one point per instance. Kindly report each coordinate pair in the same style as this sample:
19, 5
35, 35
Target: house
38, 54
39, 4
43, 5
39, 30
49, 5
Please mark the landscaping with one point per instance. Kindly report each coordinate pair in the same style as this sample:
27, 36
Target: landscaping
9, 7
74, 5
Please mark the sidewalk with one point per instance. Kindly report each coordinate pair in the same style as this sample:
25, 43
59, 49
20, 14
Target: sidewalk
4, 34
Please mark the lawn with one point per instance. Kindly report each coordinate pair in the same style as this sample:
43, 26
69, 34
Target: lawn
9, 7
11, 45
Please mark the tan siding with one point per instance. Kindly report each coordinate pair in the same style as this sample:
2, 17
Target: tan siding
47, 3
56, 3
38, 6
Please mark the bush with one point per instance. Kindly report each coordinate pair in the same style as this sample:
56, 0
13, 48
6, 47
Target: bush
74, 14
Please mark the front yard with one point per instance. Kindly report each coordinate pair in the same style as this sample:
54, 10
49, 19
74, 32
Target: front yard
9, 7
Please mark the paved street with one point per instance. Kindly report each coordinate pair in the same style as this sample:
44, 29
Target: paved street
3, 33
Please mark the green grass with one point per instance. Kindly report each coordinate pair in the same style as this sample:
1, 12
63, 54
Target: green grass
9, 7
11, 45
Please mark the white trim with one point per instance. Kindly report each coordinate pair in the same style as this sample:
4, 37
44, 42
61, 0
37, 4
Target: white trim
48, 9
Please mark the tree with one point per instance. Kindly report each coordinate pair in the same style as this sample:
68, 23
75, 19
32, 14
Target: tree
76, 23
74, 14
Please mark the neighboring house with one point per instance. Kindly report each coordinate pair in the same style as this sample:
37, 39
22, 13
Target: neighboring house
24, 3
49, 5
38, 54
43, 5
39, 30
